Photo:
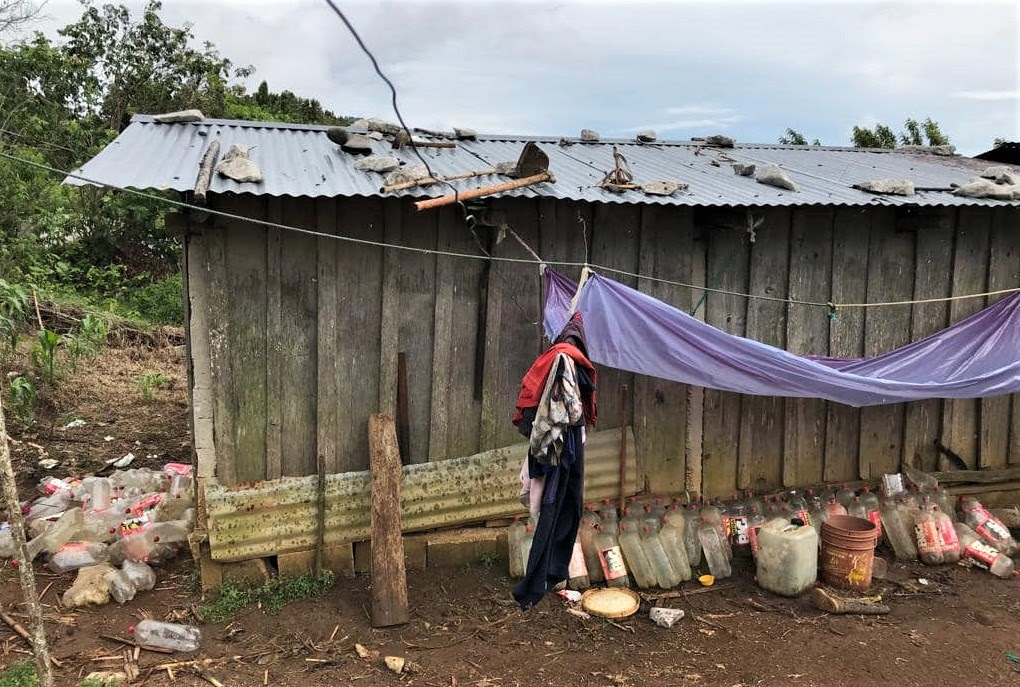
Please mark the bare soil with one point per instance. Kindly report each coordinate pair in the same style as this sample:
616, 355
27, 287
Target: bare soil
465, 628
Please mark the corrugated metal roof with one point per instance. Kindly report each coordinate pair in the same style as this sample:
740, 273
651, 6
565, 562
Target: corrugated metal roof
299, 160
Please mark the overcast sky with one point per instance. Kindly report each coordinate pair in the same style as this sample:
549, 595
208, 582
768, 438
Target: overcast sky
747, 69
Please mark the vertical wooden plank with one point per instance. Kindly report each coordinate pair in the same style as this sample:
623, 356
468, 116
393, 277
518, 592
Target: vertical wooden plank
390, 309
807, 333
566, 232
358, 325
416, 286
295, 341
442, 348
389, 577
275, 348
1003, 273
970, 275
660, 406
729, 255
850, 250
246, 284
934, 230
327, 400
614, 243
695, 419
199, 325
760, 455
222, 382
890, 278
514, 323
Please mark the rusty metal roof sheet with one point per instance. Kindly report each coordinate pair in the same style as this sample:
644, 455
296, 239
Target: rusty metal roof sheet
298, 160
278, 516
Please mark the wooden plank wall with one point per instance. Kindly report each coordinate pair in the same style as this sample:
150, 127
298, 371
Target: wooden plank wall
303, 332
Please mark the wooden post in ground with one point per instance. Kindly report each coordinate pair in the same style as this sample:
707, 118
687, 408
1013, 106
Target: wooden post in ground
40, 649
389, 578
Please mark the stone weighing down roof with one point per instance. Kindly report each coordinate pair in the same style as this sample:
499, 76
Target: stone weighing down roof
300, 161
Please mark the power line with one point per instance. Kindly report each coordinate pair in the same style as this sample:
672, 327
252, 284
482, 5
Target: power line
473, 256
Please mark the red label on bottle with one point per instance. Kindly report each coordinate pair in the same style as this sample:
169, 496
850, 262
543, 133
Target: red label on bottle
133, 526
752, 538
927, 538
613, 566
576, 567
982, 554
947, 537
738, 531
992, 529
803, 515
876, 519
144, 504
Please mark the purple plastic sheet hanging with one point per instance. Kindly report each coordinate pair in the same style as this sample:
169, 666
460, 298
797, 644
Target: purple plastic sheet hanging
626, 329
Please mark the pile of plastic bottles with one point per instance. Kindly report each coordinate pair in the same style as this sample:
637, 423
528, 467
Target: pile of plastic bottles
132, 519
658, 542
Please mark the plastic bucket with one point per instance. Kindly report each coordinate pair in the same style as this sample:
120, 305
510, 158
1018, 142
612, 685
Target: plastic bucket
848, 551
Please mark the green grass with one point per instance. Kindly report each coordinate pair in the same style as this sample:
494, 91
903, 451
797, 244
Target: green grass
97, 683
19, 674
271, 596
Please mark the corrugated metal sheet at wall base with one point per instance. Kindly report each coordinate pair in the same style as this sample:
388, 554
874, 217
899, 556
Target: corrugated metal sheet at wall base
278, 516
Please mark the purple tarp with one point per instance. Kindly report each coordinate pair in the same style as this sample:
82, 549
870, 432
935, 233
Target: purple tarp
626, 329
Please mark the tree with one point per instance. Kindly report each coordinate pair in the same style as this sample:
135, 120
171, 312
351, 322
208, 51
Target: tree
16, 14
793, 138
914, 133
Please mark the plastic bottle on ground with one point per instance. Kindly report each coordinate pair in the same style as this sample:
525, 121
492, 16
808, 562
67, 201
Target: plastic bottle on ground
712, 545
750, 500
926, 534
586, 534
665, 575
736, 514
614, 568
692, 519
6, 541
50, 506
948, 539
856, 509
987, 526
673, 542
185, 638
799, 507
514, 540
921, 480
787, 557
845, 495
755, 520
630, 518
577, 569
982, 554
634, 553
76, 554
897, 534
714, 512
872, 507
141, 575
608, 511
57, 534
834, 507
120, 586
946, 502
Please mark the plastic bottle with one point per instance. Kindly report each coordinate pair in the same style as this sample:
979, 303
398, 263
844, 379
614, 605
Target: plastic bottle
6, 541
714, 512
834, 507
630, 518
872, 508
526, 541
141, 478
586, 534
948, 539
614, 568
751, 500
185, 638
120, 586
692, 519
897, 534
712, 544
141, 575
50, 506
76, 554
755, 520
982, 554
56, 535
515, 539
672, 538
845, 495
577, 569
921, 480
946, 502
634, 553
856, 509
608, 512
787, 557
987, 526
909, 503
926, 533
665, 575
736, 514
799, 508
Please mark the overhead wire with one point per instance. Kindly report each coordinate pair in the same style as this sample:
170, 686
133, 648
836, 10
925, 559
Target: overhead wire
473, 256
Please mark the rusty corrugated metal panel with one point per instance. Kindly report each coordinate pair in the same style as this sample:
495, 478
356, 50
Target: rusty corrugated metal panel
300, 161
278, 516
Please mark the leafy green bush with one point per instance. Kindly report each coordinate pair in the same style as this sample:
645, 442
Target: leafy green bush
159, 302
22, 396
19, 674
44, 354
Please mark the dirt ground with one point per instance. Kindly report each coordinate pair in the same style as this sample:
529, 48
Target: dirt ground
465, 628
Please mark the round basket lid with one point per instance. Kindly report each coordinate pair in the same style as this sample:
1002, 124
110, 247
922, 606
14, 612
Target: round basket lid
611, 602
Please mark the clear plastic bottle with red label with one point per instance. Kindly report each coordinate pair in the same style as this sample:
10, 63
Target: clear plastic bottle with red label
577, 569
736, 524
983, 554
872, 508
926, 536
614, 568
947, 536
987, 526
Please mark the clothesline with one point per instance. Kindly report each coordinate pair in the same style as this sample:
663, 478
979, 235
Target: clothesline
535, 260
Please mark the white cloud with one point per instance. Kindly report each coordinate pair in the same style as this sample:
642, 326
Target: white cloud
987, 95
677, 125
699, 109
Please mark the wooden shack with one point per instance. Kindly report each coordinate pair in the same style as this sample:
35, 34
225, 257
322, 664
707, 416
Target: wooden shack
294, 338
